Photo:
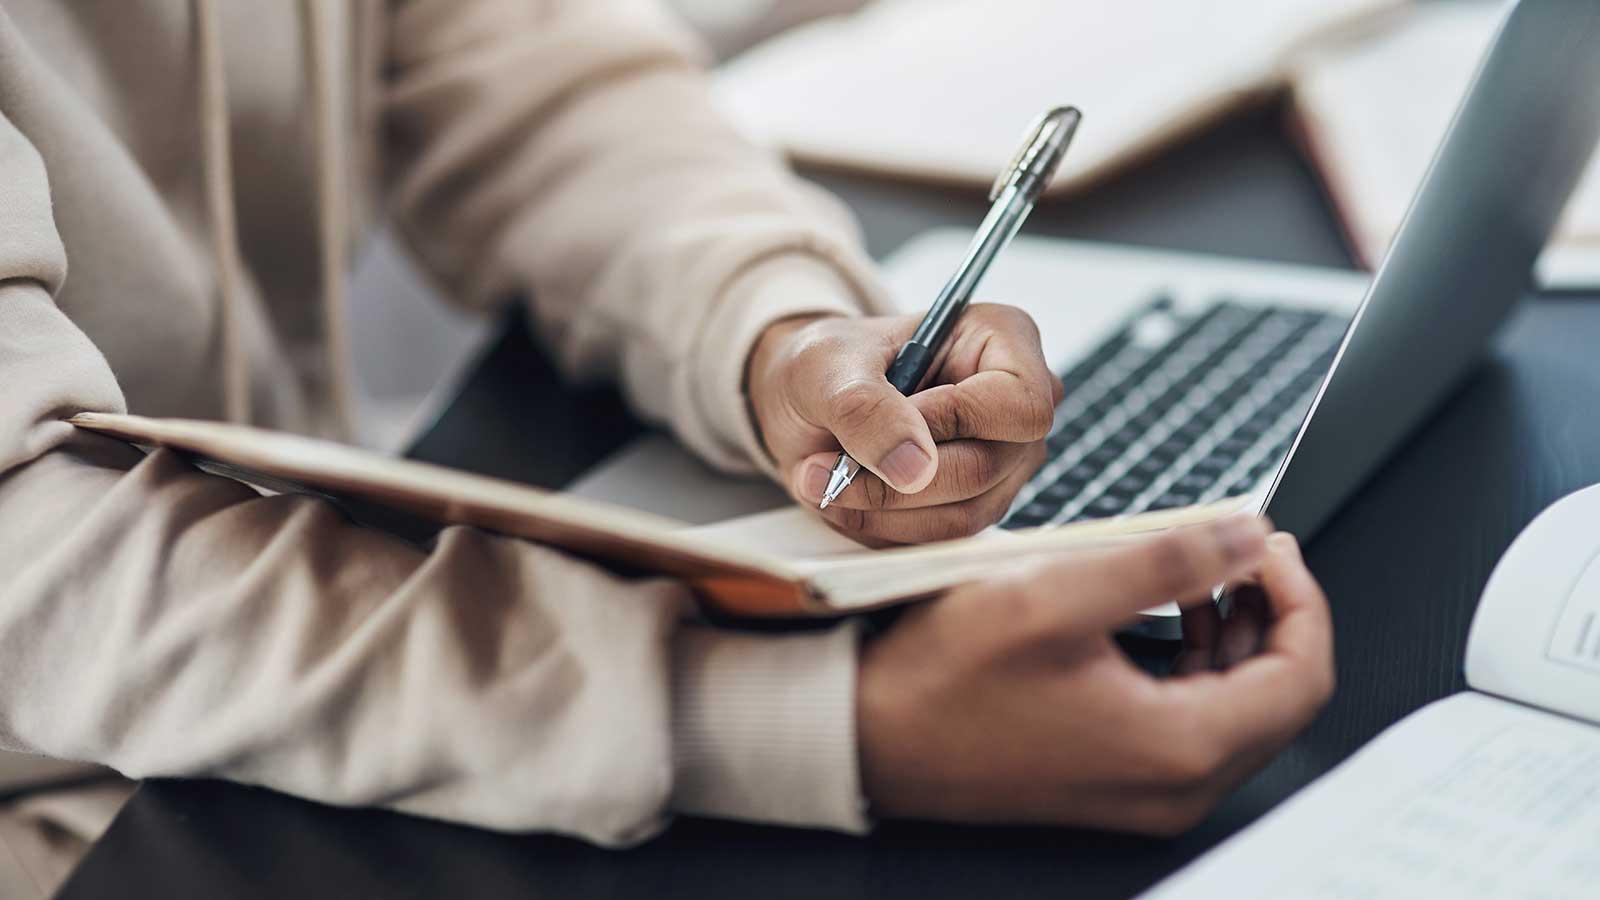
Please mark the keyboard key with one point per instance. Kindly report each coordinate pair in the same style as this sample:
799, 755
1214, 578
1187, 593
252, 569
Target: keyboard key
1060, 492
1213, 367
1106, 505
1172, 500
1130, 485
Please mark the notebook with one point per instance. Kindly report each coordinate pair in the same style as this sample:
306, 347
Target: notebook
943, 89
776, 565
1493, 792
1373, 110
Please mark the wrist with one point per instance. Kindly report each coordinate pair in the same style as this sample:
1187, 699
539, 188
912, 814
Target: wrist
878, 717
761, 388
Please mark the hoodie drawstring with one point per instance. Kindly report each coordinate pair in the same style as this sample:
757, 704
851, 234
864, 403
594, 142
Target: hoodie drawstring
217, 169
332, 209
332, 212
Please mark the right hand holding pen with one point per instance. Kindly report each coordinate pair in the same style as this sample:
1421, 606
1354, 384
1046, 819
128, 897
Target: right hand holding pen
1007, 701
943, 463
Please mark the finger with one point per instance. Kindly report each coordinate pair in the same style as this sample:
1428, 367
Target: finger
1271, 696
992, 405
1201, 626
933, 523
1097, 591
881, 430
996, 337
967, 469
1245, 628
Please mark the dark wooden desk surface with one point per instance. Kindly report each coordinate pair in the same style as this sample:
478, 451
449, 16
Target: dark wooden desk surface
1403, 564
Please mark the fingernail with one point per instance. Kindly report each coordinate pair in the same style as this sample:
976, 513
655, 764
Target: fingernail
1243, 538
814, 481
905, 464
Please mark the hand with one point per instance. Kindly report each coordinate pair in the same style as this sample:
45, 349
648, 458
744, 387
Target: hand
943, 463
1008, 702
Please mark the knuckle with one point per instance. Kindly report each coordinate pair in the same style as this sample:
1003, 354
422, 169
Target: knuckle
997, 506
973, 468
851, 520
955, 520
815, 343
1039, 415
1014, 316
876, 493
969, 519
856, 404
943, 417
956, 423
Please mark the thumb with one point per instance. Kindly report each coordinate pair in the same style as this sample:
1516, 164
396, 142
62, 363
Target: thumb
882, 431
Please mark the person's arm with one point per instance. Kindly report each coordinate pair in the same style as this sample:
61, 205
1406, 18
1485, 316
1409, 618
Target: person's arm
162, 621
569, 151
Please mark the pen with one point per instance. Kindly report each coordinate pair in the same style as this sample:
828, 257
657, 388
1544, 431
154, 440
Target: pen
1011, 200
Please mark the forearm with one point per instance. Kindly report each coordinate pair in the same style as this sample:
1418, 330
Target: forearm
653, 241
183, 627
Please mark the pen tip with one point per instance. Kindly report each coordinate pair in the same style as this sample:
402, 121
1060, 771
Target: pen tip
824, 503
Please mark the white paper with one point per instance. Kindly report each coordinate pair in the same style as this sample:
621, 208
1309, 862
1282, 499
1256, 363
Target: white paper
1471, 797
1536, 635
792, 534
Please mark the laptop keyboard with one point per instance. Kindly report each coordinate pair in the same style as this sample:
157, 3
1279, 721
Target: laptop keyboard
1179, 408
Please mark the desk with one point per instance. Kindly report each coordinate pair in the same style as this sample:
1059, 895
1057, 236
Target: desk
1403, 564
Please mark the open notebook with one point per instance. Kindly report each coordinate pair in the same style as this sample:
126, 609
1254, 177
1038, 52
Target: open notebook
1373, 110
777, 565
942, 89
1489, 793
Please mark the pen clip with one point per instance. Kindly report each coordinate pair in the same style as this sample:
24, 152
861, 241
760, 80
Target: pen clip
1041, 150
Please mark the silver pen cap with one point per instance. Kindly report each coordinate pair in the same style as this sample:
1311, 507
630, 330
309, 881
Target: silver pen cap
1040, 154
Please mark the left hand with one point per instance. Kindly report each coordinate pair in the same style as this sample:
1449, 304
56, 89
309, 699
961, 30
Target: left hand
943, 463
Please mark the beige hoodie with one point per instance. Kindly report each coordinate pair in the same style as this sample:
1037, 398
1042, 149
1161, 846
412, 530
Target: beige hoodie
204, 166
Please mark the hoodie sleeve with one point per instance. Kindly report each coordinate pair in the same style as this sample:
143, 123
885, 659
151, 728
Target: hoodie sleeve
568, 150
166, 622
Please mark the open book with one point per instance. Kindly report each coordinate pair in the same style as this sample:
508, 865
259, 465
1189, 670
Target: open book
1491, 794
775, 565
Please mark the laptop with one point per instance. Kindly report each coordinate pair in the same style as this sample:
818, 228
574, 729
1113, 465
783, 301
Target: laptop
1192, 378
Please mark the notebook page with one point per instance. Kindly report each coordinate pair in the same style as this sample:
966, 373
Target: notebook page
1536, 635
1470, 797
790, 533
943, 89
1374, 111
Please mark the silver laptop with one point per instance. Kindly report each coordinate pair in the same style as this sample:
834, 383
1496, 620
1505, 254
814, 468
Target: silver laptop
1194, 378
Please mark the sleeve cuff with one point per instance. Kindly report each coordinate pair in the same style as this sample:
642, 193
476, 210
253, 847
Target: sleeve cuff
764, 728
779, 288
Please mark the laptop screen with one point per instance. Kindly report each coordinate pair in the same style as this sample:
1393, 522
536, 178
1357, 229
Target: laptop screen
1463, 258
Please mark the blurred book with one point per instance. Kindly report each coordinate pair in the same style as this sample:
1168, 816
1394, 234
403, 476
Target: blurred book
942, 89
1373, 111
